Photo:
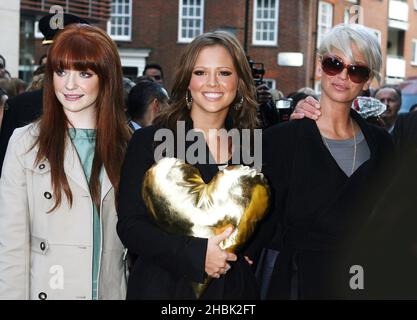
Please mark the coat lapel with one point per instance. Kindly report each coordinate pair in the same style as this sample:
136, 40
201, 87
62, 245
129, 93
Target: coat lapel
105, 184
73, 167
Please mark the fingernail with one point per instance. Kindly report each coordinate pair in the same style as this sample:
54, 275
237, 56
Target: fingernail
315, 117
318, 113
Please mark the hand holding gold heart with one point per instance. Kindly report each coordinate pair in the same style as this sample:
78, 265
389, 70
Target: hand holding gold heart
181, 203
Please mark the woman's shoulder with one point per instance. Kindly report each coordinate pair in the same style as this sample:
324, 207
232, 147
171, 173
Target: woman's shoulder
285, 130
24, 136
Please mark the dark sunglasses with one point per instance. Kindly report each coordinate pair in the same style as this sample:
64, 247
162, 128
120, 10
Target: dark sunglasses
332, 66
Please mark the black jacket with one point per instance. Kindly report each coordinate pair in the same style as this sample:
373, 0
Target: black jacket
22, 110
167, 264
316, 208
405, 133
387, 246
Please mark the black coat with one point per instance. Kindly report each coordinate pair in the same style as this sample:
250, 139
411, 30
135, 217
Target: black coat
22, 110
166, 264
387, 246
316, 208
405, 133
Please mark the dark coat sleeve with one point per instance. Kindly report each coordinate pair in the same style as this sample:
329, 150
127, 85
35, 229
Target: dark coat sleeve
276, 149
22, 110
7, 128
183, 256
405, 134
398, 132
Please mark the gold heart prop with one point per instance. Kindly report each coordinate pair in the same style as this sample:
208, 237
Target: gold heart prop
181, 203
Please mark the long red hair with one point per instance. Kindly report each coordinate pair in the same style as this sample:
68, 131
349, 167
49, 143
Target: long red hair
82, 47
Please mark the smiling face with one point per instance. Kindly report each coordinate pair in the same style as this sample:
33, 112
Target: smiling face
214, 82
340, 88
77, 91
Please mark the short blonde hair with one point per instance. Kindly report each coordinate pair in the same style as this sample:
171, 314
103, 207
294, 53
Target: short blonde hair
342, 36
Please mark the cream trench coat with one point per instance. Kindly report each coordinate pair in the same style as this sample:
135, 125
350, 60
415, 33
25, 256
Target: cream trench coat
49, 255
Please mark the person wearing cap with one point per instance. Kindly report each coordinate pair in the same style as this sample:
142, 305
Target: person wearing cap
58, 236
27, 107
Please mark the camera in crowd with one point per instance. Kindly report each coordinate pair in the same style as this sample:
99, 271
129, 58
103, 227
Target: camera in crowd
258, 71
285, 107
270, 111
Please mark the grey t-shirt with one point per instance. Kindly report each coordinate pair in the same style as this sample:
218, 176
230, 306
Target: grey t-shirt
343, 152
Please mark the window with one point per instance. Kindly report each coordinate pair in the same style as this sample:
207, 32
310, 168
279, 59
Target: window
346, 16
191, 18
37, 33
414, 52
265, 22
324, 20
119, 26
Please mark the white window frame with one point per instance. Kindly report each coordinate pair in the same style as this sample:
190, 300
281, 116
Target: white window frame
328, 24
36, 32
255, 20
181, 6
346, 15
414, 52
118, 37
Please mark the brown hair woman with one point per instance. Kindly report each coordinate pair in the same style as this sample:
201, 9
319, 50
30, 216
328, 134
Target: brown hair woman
213, 90
58, 218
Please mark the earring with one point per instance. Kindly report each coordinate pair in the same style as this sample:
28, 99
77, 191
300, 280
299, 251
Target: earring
188, 100
238, 105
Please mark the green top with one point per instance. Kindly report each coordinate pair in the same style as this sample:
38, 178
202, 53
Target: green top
84, 141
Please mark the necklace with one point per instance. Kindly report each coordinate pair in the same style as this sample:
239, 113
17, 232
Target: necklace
354, 147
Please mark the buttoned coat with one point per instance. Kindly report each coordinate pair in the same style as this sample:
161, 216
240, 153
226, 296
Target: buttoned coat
48, 255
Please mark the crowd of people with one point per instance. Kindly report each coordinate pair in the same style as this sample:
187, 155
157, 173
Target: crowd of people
76, 146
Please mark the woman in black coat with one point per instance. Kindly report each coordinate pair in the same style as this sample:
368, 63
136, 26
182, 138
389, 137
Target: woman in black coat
324, 177
213, 90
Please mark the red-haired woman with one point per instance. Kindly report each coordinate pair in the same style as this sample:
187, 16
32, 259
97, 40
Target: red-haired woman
58, 220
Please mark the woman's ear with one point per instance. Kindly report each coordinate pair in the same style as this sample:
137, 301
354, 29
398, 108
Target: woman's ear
318, 66
155, 105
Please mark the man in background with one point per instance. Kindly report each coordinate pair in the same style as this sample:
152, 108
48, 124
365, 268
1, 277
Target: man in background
154, 71
391, 97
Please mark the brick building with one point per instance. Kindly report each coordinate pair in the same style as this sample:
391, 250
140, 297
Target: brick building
395, 24
282, 34
30, 47
160, 29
